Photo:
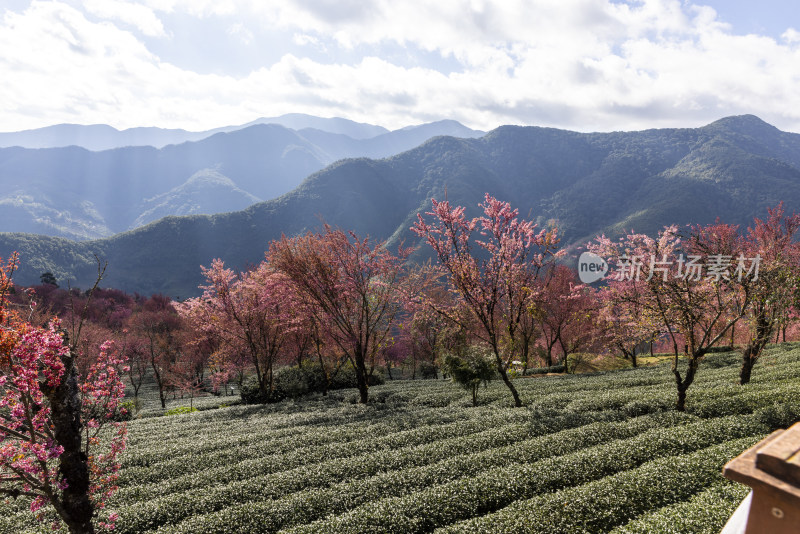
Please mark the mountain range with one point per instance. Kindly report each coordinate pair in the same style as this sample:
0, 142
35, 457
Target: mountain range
584, 183
104, 137
71, 191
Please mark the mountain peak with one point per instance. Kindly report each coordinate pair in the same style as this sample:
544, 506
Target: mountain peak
299, 121
747, 124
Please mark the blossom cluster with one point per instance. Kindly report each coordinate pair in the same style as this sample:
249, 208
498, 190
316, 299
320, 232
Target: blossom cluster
27, 441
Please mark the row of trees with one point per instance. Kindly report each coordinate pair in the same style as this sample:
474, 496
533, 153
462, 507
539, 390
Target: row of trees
340, 300
155, 341
333, 299
752, 280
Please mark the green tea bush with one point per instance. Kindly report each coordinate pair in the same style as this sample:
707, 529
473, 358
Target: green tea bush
295, 382
180, 410
603, 504
346, 378
311, 504
252, 394
703, 513
239, 464
428, 370
496, 488
312, 471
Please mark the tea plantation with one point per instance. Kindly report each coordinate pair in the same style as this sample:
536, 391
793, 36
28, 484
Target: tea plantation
588, 453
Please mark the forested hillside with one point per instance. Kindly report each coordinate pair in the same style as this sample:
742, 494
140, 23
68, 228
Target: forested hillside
584, 183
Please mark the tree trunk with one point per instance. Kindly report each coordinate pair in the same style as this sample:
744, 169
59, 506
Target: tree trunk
634, 363
750, 356
524, 354
680, 405
747, 367
326, 379
475, 394
683, 384
136, 389
549, 359
160, 385
507, 381
361, 378
74, 506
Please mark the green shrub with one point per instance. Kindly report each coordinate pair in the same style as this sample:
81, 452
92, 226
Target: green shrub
313, 503
346, 378
251, 394
180, 410
496, 488
294, 382
561, 368
704, 513
428, 370
469, 371
128, 409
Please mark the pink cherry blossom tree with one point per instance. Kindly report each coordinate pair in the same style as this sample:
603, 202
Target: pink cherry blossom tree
695, 303
496, 281
249, 312
565, 311
626, 324
51, 420
349, 286
775, 289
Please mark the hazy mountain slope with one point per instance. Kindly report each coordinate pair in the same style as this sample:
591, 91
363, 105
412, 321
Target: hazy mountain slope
206, 191
76, 193
264, 160
389, 143
587, 183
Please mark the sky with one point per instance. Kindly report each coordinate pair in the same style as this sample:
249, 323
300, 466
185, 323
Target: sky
585, 65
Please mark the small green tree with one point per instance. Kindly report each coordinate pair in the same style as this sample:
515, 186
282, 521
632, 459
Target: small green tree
469, 371
48, 278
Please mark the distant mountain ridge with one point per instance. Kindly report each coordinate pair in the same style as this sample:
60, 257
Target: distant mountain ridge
586, 183
97, 137
81, 194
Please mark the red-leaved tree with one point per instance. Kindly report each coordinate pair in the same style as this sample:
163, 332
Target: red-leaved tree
350, 287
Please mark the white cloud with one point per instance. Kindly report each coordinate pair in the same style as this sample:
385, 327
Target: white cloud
791, 36
303, 39
244, 35
579, 64
140, 16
